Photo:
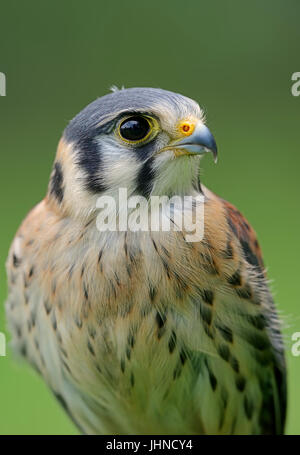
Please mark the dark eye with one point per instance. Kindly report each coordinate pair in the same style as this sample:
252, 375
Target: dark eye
135, 128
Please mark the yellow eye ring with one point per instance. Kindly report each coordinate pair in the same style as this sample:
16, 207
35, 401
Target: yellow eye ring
135, 129
186, 127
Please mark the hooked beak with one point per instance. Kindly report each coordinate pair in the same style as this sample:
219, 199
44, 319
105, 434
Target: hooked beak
198, 143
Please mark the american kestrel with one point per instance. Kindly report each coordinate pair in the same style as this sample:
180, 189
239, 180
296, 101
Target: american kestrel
143, 332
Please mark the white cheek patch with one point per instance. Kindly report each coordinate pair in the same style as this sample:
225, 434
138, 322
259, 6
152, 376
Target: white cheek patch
119, 165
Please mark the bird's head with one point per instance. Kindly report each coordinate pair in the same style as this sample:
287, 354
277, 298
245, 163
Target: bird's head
146, 140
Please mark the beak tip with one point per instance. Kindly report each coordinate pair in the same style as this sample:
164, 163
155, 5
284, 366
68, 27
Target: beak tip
206, 138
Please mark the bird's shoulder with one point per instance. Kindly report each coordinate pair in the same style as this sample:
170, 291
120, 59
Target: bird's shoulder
24, 240
237, 226
261, 310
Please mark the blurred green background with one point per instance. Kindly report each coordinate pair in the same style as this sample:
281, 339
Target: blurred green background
234, 57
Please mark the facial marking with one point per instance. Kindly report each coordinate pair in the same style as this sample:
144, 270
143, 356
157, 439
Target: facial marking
145, 178
116, 141
56, 185
90, 160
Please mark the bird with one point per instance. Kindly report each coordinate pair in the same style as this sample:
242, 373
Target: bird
143, 331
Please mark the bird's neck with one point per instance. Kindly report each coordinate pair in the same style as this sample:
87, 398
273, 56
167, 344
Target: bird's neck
180, 177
